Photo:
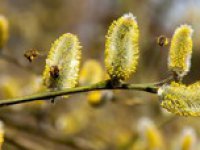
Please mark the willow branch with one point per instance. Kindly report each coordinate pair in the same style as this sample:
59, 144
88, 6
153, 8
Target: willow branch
105, 85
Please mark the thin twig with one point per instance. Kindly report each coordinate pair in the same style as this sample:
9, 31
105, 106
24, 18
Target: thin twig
105, 85
48, 134
170, 78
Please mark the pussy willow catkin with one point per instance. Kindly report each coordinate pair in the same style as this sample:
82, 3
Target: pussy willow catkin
122, 52
181, 50
62, 64
1, 134
150, 134
188, 139
3, 31
181, 99
91, 72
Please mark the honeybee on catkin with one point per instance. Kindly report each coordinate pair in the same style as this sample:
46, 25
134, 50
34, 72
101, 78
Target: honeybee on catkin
62, 65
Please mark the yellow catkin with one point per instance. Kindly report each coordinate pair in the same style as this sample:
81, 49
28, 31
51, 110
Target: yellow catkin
72, 122
91, 73
181, 50
3, 31
1, 134
95, 98
9, 88
64, 55
181, 99
122, 52
188, 139
152, 137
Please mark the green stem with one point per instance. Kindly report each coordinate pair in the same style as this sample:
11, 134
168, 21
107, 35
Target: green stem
105, 85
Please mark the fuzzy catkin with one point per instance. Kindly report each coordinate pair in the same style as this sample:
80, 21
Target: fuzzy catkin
91, 72
3, 31
188, 139
181, 50
65, 54
122, 50
1, 134
150, 134
181, 99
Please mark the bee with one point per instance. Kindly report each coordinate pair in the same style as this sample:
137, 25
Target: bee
162, 41
31, 54
54, 72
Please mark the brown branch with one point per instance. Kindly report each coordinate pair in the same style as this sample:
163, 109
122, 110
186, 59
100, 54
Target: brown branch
105, 85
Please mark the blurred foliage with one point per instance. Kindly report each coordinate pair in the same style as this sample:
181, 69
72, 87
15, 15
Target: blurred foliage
74, 124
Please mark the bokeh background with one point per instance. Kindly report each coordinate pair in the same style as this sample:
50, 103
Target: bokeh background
122, 119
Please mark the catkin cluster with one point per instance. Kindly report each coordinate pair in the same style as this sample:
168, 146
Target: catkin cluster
121, 55
177, 97
181, 99
121, 60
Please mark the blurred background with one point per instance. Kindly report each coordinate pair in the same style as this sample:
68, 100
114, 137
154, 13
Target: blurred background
124, 120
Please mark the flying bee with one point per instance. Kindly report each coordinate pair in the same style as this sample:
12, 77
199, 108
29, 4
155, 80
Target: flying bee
31, 54
54, 72
162, 41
